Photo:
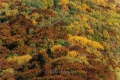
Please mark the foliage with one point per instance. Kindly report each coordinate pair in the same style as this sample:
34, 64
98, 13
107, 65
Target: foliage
7, 71
117, 72
59, 40
11, 55
73, 54
85, 7
32, 43
19, 59
85, 42
37, 4
59, 51
62, 42
73, 28
64, 2
105, 34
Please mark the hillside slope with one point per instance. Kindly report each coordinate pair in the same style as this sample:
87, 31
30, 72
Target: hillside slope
59, 40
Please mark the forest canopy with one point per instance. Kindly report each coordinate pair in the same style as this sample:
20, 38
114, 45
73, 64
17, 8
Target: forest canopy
59, 40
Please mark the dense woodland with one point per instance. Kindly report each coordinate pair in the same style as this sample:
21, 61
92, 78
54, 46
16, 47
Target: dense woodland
59, 40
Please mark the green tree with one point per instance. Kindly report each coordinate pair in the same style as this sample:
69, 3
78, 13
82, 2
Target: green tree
106, 34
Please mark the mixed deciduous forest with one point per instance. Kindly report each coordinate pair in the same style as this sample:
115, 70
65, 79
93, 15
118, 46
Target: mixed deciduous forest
59, 40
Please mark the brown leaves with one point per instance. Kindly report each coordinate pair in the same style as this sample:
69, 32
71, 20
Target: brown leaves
49, 12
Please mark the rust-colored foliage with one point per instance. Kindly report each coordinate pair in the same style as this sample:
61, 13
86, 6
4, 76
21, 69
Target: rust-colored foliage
5, 30
59, 23
48, 12
59, 51
25, 50
27, 23
4, 51
111, 76
18, 31
35, 11
45, 32
42, 34
28, 74
20, 20
3, 62
51, 32
70, 70
4, 1
38, 65
8, 77
76, 48
17, 3
59, 32
112, 32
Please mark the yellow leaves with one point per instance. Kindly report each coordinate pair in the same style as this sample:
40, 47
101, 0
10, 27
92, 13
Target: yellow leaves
117, 72
116, 24
15, 11
35, 15
117, 37
56, 47
8, 13
72, 3
84, 17
97, 53
35, 22
86, 26
75, 5
95, 44
106, 34
45, 2
64, 2
59, 51
20, 59
76, 22
84, 42
27, 17
102, 2
11, 12
84, 7
79, 7
73, 28
117, 69
5, 5
110, 68
72, 54
7, 71
78, 59
99, 1
107, 46
90, 31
